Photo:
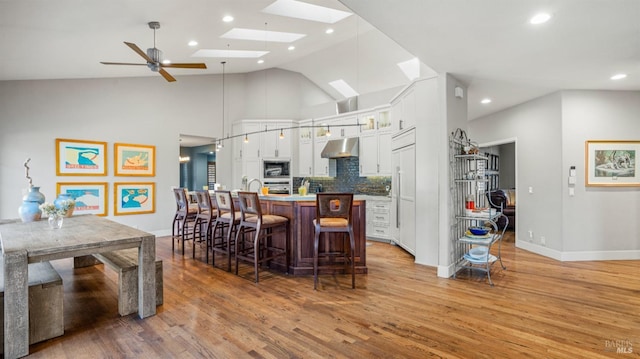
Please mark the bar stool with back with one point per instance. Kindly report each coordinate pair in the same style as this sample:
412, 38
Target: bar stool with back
262, 248
184, 219
205, 220
228, 218
333, 215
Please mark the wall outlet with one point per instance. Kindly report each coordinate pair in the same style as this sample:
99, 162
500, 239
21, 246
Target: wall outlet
530, 234
543, 240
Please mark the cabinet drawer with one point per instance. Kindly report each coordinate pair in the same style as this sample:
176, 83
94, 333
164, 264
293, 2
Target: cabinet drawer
380, 217
379, 231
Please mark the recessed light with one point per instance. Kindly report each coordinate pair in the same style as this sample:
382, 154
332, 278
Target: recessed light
485, 101
227, 18
193, 43
261, 61
618, 76
291, 48
329, 31
540, 18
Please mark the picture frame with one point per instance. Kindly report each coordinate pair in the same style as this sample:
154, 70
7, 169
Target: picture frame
134, 198
612, 163
135, 160
90, 197
80, 157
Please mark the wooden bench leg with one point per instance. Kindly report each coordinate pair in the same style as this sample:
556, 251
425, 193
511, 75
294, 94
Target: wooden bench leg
128, 289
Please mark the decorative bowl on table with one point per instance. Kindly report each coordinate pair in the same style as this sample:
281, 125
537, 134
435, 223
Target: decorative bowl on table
478, 231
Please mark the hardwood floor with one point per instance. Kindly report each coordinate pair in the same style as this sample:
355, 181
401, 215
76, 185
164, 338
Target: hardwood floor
538, 308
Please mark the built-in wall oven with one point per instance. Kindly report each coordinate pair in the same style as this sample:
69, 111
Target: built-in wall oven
275, 169
277, 176
278, 186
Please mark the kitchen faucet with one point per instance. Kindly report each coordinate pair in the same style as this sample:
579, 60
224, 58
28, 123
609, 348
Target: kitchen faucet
251, 181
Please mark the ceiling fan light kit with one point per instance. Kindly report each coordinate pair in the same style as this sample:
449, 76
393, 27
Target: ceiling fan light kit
154, 57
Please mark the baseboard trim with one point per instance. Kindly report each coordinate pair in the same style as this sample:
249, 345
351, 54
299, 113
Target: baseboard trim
576, 256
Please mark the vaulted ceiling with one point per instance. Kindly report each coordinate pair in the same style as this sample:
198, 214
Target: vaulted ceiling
487, 44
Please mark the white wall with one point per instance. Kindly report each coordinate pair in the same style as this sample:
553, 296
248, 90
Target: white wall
537, 128
599, 222
550, 132
145, 110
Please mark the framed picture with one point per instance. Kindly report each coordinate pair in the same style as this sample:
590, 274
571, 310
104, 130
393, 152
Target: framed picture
135, 160
134, 198
612, 163
90, 197
81, 158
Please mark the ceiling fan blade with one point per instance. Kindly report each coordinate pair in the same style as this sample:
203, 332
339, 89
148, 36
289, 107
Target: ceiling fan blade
121, 63
135, 48
166, 75
186, 65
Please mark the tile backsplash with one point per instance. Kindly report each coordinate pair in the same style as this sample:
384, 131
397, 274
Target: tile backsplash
347, 180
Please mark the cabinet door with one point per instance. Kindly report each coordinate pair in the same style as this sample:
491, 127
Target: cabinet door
404, 183
320, 165
251, 147
305, 158
408, 110
236, 142
384, 154
251, 167
368, 155
368, 122
384, 120
350, 130
272, 145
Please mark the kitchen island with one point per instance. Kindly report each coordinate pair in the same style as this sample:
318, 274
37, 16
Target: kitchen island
301, 211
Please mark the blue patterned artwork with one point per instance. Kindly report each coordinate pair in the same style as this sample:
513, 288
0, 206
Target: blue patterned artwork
77, 157
135, 160
134, 197
86, 199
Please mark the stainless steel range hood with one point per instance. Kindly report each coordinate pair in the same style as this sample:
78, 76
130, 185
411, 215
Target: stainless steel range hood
347, 147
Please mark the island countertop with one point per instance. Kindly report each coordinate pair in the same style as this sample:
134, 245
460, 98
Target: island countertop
312, 197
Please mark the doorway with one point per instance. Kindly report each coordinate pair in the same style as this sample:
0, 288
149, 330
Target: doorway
197, 162
504, 179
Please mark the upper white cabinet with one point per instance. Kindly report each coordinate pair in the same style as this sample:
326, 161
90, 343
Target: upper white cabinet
320, 138
403, 111
375, 143
344, 127
273, 144
305, 149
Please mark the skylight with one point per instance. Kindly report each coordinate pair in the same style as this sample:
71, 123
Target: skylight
343, 87
305, 11
262, 35
229, 53
410, 68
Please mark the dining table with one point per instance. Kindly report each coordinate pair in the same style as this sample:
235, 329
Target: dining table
31, 242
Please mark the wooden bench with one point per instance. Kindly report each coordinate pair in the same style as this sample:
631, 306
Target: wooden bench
125, 262
46, 319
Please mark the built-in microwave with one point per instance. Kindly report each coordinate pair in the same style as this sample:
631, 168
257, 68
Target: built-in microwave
275, 169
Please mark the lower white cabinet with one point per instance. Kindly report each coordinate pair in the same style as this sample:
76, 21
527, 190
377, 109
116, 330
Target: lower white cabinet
378, 219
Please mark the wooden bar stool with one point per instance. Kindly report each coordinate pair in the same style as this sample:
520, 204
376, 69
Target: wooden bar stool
228, 218
205, 220
333, 215
262, 248
184, 219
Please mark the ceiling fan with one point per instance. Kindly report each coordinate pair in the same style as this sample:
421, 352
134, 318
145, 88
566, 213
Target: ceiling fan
154, 58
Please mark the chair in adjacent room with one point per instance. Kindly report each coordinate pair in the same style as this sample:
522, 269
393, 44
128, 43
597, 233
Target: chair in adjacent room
205, 220
184, 219
224, 226
333, 215
260, 247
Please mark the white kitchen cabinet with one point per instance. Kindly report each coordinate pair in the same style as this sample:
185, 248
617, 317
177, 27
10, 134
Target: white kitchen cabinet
378, 219
305, 149
251, 141
403, 110
272, 145
403, 184
346, 127
375, 154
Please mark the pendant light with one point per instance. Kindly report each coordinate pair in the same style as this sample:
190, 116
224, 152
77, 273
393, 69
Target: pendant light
220, 145
281, 134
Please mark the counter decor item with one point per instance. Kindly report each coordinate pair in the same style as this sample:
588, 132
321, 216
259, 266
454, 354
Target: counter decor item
56, 213
63, 204
29, 210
